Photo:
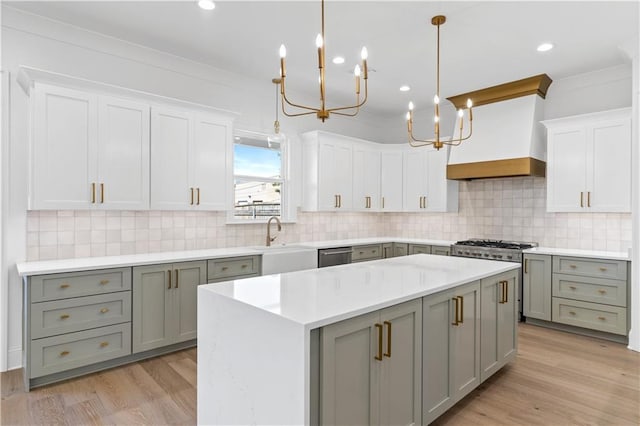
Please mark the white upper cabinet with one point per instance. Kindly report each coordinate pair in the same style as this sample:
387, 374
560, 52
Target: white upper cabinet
425, 183
123, 154
327, 172
366, 178
89, 151
589, 164
391, 181
188, 160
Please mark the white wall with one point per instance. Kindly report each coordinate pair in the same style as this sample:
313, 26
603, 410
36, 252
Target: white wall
34, 41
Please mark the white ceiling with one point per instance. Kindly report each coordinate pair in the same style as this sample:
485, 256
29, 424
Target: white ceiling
483, 43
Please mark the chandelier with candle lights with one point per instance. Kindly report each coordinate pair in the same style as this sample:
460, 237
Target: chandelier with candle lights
323, 112
436, 141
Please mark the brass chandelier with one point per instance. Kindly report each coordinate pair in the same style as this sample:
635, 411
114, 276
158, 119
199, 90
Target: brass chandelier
323, 112
436, 141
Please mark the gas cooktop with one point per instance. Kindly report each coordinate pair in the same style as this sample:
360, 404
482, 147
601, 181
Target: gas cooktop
514, 245
510, 251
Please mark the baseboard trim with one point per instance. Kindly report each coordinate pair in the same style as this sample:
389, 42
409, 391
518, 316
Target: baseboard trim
14, 358
578, 330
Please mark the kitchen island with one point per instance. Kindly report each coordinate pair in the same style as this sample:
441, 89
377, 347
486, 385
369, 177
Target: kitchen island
263, 342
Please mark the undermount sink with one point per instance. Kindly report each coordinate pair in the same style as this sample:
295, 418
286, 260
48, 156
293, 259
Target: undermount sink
277, 259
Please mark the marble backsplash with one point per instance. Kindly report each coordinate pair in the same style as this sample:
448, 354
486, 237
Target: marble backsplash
510, 209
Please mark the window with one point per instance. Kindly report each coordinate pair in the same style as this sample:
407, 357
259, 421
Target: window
258, 177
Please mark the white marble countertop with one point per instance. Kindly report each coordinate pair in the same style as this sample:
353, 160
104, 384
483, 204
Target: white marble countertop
317, 297
597, 254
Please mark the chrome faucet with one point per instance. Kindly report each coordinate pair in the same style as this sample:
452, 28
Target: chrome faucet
269, 239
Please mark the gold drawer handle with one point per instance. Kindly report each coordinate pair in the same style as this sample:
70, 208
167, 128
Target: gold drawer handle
224, 268
572, 313
104, 310
602, 291
602, 318
572, 287
64, 316
104, 344
603, 269
361, 252
572, 266
65, 285
64, 353
244, 266
104, 282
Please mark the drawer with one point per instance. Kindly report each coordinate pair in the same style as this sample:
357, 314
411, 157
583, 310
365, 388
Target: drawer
440, 250
588, 289
611, 319
419, 248
599, 268
400, 249
75, 284
80, 313
67, 351
371, 252
233, 267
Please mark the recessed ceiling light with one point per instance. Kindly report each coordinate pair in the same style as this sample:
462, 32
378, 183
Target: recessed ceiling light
544, 47
405, 88
338, 60
206, 4
237, 138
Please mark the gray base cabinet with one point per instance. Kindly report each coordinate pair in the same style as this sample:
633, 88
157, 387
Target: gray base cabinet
498, 331
370, 368
419, 248
451, 348
536, 286
165, 303
366, 253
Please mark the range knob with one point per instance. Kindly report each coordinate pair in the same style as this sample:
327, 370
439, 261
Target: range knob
499, 256
509, 257
466, 252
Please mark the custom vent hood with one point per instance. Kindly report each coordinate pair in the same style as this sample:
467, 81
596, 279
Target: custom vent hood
508, 139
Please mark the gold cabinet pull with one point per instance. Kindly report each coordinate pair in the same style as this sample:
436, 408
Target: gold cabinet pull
191, 189
104, 344
64, 285
603, 269
101, 193
455, 316
572, 266
572, 287
335, 201
177, 279
602, 318
581, 199
501, 301
388, 352
461, 320
93, 192
601, 291
506, 292
64, 353
169, 273
64, 316
572, 313
104, 282
379, 355
198, 196
526, 266
244, 266
104, 310
339, 200
588, 198
383, 202
224, 268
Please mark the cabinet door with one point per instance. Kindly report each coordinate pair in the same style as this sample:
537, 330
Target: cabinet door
327, 189
170, 139
211, 145
391, 181
498, 323
401, 379
349, 372
388, 250
188, 276
152, 309
366, 179
441, 250
609, 167
566, 170
414, 180
419, 248
436, 196
64, 149
536, 286
123, 154
437, 355
344, 177
465, 338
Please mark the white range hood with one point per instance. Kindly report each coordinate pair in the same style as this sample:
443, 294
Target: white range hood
508, 139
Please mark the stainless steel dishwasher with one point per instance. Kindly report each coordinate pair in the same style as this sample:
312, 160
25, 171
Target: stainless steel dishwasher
334, 256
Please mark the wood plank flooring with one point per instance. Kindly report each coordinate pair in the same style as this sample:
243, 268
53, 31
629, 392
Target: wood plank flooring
557, 379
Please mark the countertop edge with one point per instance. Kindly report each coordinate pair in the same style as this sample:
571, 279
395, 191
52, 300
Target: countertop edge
595, 254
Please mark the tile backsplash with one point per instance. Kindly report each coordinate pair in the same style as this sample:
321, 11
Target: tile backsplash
510, 209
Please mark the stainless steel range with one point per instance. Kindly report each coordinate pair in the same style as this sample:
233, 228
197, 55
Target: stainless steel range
505, 251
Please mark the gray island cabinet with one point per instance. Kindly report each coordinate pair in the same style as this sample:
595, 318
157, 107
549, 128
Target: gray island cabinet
393, 341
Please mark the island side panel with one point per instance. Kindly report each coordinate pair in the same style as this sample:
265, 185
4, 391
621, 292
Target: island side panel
253, 366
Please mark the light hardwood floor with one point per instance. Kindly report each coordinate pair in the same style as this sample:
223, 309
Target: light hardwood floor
557, 379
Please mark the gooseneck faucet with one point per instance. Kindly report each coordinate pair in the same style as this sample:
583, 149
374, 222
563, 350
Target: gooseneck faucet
269, 239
